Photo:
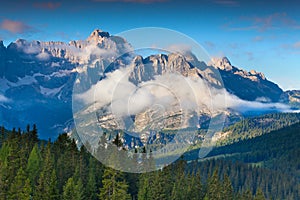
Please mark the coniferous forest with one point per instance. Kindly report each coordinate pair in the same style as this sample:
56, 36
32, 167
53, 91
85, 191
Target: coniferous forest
36, 169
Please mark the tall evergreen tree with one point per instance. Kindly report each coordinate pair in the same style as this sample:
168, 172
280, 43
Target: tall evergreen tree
20, 187
214, 188
4, 183
13, 157
91, 184
195, 187
146, 181
247, 195
71, 190
34, 164
259, 195
114, 188
47, 183
227, 191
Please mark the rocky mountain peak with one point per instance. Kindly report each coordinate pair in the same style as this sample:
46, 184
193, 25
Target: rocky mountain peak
259, 74
222, 63
97, 35
138, 60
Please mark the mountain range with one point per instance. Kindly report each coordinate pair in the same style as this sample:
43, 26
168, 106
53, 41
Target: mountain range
37, 79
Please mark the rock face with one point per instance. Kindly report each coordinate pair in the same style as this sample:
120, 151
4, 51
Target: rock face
247, 85
145, 69
154, 65
291, 97
37, 79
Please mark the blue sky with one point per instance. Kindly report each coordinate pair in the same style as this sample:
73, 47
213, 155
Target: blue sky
264, 36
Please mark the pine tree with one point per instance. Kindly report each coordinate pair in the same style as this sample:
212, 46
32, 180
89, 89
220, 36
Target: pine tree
180, 185
71, 190
65, 152
180, 189
196, 188
28, 128
13, 157
214, 187
113, 187
144, 192
161, 187
247, 195
83, 164
53, 190
34, 134
80, 189
47, 183
91, 184
2, 136
20, 187
259, 195
27, 191
227, 192
4, 184
34, 164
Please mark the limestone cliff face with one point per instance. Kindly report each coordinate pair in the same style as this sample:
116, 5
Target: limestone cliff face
247, 85
145, 69
39, 75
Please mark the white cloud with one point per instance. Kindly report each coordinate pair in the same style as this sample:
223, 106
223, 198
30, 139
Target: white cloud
251, 106
169, 91
55, 64
43, 56
179, 48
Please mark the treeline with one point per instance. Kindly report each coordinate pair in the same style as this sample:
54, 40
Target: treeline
277, 150
34, 169
272, 158
256, 126
247, 178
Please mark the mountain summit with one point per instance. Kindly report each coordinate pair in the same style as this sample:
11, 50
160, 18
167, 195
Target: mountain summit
38, 77
97, 35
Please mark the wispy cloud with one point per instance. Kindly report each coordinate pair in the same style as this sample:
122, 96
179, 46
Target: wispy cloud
229, 3
15, 26
296, 45
250, 55
132, 1
47, 5
209, 44
263, 23
290, 46
257, 38
234, 45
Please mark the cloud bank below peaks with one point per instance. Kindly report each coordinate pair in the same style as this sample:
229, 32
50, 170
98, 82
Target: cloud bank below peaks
171, 91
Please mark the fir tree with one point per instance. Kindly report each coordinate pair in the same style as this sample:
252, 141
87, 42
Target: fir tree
259, 195
114, 188
34, 164
4, 183
20, 187
214, 187
144, 192
91, 184
227, 191
47, 182
70, 190
196, 188
247, 195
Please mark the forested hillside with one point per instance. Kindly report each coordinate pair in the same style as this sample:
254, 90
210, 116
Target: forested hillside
271, 160
256, 126
35, 169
